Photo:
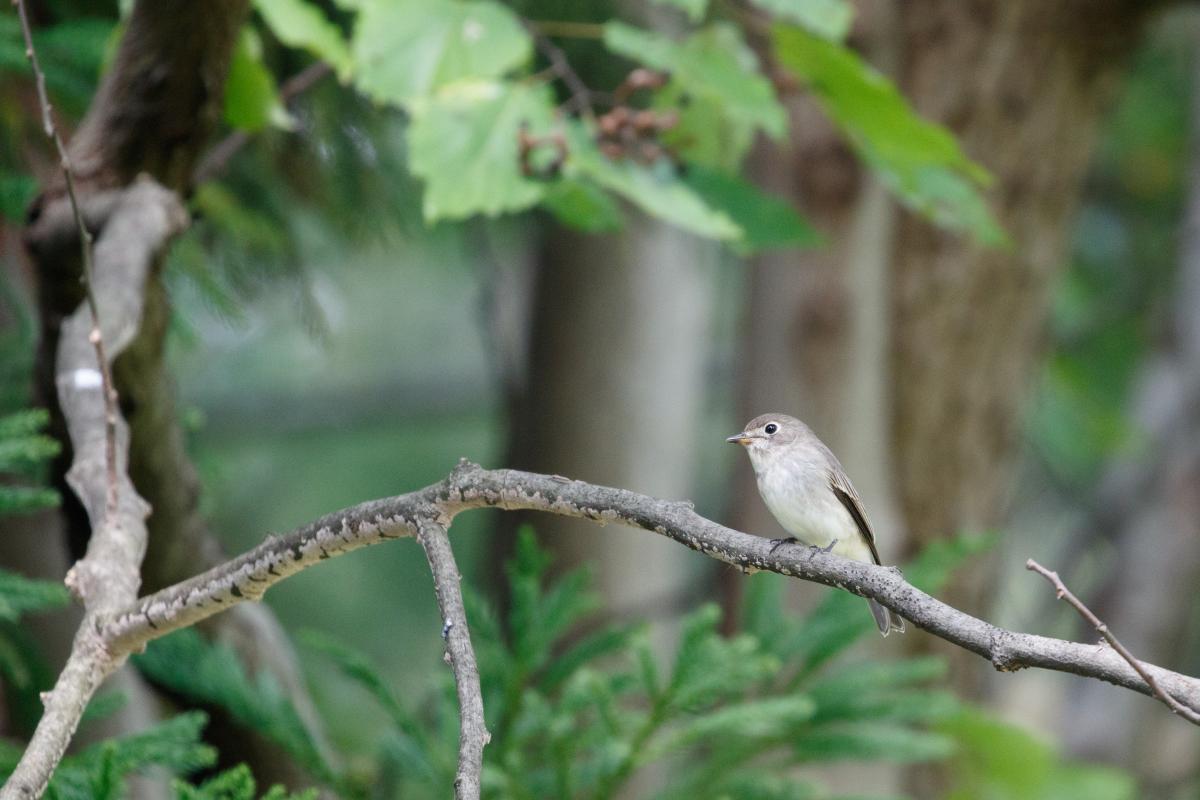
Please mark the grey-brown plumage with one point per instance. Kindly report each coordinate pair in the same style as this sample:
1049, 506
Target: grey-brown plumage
806, 489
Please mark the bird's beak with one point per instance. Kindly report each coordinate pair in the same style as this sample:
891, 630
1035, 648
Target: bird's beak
740, 438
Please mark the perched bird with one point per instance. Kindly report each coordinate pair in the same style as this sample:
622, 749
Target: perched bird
807, 490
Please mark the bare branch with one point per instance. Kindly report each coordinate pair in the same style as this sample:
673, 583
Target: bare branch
1063, 593
143, 219
108, 389
473, 734
248, 576
426, 513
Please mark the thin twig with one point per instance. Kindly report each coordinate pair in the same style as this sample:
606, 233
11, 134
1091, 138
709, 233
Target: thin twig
217, 160
473, 734
1063, 593
107, 387
581, 95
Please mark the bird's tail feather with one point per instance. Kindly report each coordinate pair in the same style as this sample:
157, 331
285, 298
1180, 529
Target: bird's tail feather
885, 619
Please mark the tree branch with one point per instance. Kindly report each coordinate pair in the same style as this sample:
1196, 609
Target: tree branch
1063, 593
473, 733
95, 336
106, 579
144, 219
469, 486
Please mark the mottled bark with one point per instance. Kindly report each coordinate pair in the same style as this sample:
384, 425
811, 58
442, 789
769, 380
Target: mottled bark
1031, 82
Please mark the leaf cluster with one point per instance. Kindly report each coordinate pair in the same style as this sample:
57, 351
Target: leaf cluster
211, 675
24, 451
474, 81
100, 771
583, 710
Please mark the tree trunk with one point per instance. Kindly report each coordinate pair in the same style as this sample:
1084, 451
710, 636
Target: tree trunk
156, 109
615, 388
1032, 79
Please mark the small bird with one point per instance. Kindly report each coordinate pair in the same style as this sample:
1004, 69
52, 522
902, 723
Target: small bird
807, 490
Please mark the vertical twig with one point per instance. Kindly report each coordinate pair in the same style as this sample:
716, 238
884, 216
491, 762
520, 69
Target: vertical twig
473, 733
1063, 593
107, 388
560, 65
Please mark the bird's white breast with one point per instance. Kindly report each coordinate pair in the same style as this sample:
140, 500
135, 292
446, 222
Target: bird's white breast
799, 496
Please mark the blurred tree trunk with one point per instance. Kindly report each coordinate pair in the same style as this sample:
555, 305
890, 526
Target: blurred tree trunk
1148, 506
156, 109
614, 389
967, 322
616, 379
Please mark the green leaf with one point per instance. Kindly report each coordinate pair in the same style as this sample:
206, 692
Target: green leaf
23, 423
20, 595
714, 63
251, 101
657, 189
710, 667
829, 19
934, 565
103, 705
23, 448
871, 741
359, 669
755, 719
582, 205
16, 193
21, 453
921, 162
99, 772
303, 25
199, 671
754, 785
695, 9
997, 759
839, 621
704, 134
602, 643
766, 222
463, 143
407, 49
235, 784
883, 690
71, 53
21, 499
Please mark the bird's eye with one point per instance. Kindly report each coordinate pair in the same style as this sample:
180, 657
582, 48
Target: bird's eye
770, 429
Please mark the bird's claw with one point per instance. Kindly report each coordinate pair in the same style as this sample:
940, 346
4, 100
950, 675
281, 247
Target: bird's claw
827, 549
778, 543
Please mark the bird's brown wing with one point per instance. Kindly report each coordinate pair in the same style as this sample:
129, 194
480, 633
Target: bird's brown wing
846, 495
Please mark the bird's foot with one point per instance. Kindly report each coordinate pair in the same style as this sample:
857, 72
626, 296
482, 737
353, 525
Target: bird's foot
827, 549
778, 543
